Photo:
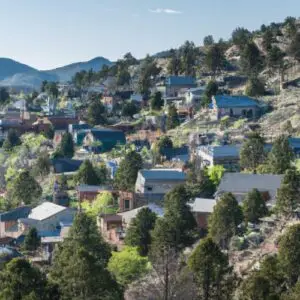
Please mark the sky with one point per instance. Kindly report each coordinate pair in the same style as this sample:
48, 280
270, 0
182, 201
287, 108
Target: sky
50, 33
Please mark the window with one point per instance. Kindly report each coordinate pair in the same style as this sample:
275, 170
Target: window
126, 204
149, 188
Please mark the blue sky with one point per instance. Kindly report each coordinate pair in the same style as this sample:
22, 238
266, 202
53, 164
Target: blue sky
51, 33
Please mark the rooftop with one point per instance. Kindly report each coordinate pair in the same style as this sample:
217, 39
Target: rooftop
163, 174
180, 80
93, 188
45, 210
15, 214
226, 101
221, 151
129, 215
203, 205
244, 183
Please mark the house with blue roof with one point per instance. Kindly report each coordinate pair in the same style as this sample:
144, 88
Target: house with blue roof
226, 155
103, 139
153, 184
235, 106
173, 84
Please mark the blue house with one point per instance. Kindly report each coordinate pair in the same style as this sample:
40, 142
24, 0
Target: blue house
173, 84
235, 106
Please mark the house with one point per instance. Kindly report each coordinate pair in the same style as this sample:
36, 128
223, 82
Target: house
90, 192
74, 128
235, 106
42, 125
112, 168
62, 122
194, 96
138, 98
46, 218
103, 139
172, 85
227, 156
153, 184
239, 184
65, 165
201, 209
180, 154
128, 216
9, 219
111, 228
109, 102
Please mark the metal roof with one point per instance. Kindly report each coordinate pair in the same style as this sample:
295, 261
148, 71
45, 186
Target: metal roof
163, 174
180, 80
221, 151
203, 205
15, 214
244, 183
226, 101
45, 210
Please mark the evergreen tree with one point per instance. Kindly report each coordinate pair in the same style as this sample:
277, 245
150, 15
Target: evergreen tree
66, 147
288, 197
127, 172
96, 113
129, 109
211, 270
295, 47
176, 229
42, 165
12, 139
241, 37
156, 101
211, 90
174, 65
87, 174
281, 155
255, 87
224, 221
80, 264
32, 240
251, 61
188, 58
289, 254
215, 59
252, 153
25, 189
254, 206
139, 232
208, 40
21, 281
172, 118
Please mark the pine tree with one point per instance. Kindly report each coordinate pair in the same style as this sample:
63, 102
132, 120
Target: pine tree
172, 118
66, 147
12, 139
80, 264
127, 172
211, 270
32, 240
224, 221
254, 206
139, 232
25, 189
87, 174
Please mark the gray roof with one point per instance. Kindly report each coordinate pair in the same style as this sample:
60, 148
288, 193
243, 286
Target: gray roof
222, 151
203, 205
163, 174
244, 183
129, 215
93, 188
45, 210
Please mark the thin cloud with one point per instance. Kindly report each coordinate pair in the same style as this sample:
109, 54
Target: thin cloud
165, 11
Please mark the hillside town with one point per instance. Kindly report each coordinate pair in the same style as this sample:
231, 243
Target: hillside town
175, 176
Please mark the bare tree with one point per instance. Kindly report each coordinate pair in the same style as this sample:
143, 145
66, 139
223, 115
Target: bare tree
170, 279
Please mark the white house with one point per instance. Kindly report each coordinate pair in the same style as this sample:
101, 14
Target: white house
46, 218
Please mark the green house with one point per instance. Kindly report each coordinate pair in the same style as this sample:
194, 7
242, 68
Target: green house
102, 139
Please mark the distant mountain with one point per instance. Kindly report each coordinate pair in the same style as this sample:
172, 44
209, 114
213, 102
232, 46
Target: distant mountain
15, 74
9, 67
67, 72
